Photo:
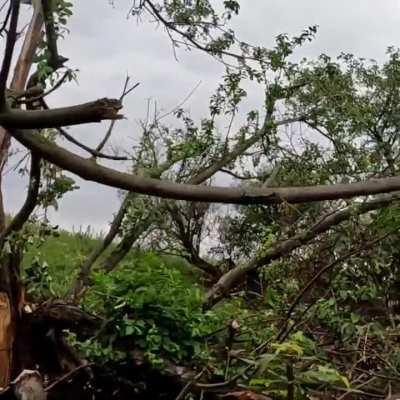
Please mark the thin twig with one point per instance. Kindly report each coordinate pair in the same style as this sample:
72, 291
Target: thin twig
51, 90
176, 108
7, 17
157, 14
187, 387
125, 92
88, 149
67, 376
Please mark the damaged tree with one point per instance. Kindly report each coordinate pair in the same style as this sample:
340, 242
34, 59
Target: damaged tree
301, 196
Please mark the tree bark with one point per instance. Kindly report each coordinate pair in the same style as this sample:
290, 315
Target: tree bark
124, 246
10, 287
21, 72
91, 171
95, 111
5, 340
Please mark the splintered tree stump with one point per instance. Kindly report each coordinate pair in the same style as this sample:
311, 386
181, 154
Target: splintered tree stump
6, 340
29, 386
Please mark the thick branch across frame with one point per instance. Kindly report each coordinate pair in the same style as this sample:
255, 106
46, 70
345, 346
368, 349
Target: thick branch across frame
91, 171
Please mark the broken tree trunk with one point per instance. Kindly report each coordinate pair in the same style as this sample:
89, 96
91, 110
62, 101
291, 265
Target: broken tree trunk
18, 82
29, 386
10, 304
5, 340
10, 287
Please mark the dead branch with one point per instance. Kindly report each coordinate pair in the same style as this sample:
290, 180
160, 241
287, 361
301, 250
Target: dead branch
95, 111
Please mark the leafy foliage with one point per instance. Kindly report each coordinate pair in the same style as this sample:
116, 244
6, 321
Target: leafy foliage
149, 304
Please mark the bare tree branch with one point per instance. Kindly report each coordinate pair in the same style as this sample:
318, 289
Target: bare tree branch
85, 269
95, 111
93, 152
31, 200
8, 52
88, 170
126, 90
47, 92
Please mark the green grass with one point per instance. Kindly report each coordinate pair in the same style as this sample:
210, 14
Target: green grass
62, 256
66, 249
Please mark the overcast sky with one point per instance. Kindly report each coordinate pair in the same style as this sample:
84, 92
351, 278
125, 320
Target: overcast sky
106, 46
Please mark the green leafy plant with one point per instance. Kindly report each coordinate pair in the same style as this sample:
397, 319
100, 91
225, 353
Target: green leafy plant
151, 305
